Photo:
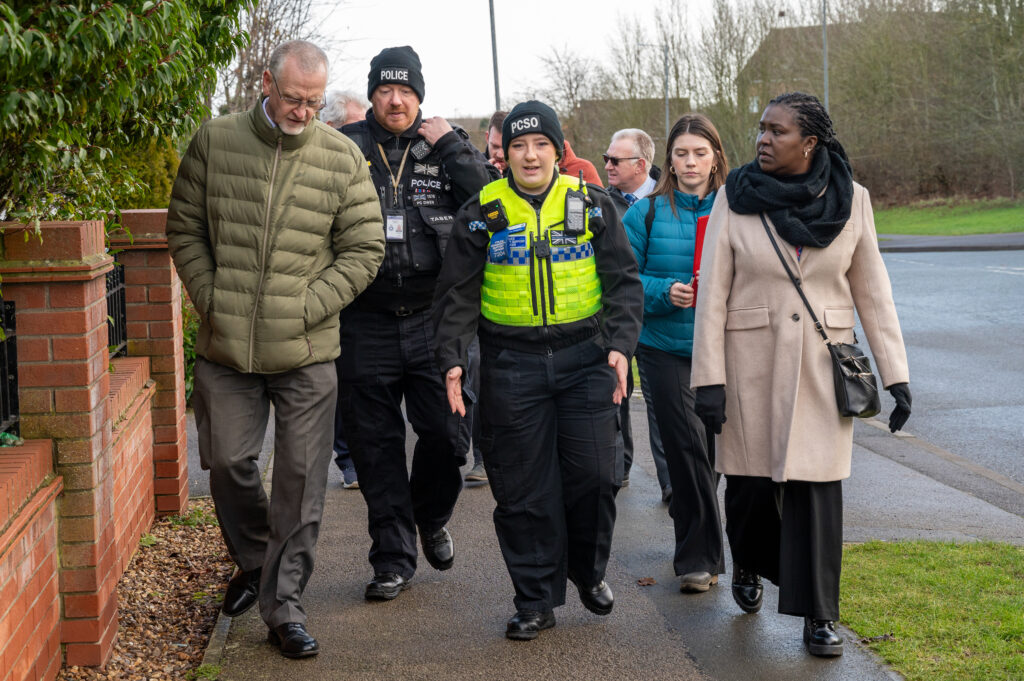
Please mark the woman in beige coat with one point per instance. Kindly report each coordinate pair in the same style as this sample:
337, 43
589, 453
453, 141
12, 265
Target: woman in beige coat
762, 375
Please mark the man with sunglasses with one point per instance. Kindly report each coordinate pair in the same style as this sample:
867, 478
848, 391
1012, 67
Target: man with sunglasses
274, 227
629, 164
422, 169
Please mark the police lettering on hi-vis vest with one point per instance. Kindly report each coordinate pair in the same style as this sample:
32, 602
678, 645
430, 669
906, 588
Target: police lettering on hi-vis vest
539, 266
422, 170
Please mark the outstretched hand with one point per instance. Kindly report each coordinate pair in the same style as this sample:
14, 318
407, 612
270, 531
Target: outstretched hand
453, 384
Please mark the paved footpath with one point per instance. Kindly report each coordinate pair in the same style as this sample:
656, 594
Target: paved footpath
450, 625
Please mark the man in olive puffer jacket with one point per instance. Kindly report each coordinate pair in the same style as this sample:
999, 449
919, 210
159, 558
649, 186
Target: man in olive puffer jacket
274, 227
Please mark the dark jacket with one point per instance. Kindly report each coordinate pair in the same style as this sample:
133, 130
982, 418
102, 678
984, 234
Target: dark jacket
456, 311
434, 183
619, 199
272, 235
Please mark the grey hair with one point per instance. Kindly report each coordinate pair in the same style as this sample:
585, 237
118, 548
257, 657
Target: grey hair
308, 56
337, 105
642, 142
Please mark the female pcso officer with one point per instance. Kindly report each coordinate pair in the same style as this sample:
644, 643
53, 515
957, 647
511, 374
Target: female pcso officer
539, 266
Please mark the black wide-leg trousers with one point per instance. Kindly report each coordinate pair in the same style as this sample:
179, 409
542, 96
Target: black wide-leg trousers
549, 443
792, 534
694, 503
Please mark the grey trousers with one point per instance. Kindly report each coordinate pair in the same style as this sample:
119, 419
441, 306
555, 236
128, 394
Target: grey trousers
231, 410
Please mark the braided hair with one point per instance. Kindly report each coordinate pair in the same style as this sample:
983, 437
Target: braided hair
812, 119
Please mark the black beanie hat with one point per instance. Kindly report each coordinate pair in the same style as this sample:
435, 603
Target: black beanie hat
396, 65
532, 116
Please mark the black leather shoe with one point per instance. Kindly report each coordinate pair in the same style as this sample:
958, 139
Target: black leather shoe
243, 591
747, 590
598, 599
438, 548
526, 624
293, 640
386, 586
821, 638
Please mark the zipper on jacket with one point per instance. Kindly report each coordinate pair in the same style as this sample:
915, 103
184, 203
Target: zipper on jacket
263, 255
533, 287
540, 275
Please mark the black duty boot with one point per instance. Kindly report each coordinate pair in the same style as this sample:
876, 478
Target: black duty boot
747, 590
821, 638
526, 624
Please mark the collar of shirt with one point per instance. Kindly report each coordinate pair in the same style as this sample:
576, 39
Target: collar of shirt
645, 189
269, 119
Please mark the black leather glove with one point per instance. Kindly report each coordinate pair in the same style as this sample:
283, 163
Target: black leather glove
710, 406
898, 418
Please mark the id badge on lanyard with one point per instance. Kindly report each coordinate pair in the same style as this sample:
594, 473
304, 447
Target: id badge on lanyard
394, 225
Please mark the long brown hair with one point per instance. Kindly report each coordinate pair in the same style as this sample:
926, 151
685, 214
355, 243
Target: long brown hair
694, 124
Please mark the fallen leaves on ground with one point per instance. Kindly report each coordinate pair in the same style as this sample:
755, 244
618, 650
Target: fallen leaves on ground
168, 600
646, 581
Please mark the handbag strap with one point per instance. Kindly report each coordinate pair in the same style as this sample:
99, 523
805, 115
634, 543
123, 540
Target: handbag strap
792, 277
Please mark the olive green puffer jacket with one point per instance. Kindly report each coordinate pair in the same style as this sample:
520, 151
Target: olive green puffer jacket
272, 235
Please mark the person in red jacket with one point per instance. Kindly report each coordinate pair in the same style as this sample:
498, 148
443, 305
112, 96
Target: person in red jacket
571, 164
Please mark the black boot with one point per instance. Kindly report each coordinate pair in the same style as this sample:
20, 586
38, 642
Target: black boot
747, 590
821, 638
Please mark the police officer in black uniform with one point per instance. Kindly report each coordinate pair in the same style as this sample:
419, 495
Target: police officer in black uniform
540, 266
423, 170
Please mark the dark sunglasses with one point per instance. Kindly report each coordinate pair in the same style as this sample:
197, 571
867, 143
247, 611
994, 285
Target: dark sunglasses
615, 161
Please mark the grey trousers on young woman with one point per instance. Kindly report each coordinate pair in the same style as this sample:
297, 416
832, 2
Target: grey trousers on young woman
279, 535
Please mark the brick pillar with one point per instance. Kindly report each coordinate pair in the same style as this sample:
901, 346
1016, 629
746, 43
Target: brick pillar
59, 288
154, 330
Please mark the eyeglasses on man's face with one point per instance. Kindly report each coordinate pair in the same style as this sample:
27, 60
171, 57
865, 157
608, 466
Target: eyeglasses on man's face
615, 161
313, 105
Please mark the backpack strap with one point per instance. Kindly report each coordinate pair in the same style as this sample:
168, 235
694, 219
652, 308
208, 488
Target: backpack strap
649, 218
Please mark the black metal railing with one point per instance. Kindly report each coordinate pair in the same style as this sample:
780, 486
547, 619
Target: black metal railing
117, 312
9, 413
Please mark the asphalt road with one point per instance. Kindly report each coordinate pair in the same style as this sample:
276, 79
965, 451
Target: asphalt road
962, 316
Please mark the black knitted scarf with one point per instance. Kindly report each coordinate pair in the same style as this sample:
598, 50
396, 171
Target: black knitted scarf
807, 210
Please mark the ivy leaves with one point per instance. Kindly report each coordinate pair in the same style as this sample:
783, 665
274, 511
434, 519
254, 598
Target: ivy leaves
81, 78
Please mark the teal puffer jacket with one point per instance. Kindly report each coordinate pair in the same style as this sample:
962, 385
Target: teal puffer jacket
272, 235
665, 258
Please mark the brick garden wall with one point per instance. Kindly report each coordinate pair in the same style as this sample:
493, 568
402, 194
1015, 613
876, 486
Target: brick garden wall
29, 599
114, 434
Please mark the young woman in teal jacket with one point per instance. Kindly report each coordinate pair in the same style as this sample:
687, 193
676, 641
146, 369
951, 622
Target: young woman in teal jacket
665, 232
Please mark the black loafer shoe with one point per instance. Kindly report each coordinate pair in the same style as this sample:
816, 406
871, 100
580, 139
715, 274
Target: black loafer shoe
243, 591
821, 638
747, 590
386, 586
293, 640
438, 548
526, 624
598, 599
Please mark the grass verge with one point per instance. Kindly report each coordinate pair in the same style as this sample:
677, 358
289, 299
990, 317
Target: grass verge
938, 611
952, 217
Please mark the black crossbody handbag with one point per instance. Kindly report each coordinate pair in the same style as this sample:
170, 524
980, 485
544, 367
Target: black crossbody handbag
856, 387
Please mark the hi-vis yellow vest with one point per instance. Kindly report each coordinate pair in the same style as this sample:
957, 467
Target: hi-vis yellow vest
526, 290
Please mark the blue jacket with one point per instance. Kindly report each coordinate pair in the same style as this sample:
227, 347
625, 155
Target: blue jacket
665, 259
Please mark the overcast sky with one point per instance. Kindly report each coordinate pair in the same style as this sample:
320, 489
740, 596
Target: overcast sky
453, 40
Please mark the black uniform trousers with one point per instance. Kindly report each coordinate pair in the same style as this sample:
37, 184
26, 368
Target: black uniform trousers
694, 503
549, 445
792, 534
384, 358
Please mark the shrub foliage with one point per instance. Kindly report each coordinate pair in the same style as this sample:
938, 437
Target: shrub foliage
83, 78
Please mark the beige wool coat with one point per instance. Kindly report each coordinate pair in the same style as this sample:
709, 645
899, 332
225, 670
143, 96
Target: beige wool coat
754, 335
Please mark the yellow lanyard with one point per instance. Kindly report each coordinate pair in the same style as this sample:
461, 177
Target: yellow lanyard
401, 167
